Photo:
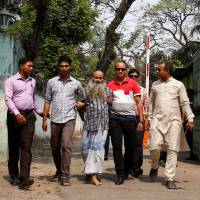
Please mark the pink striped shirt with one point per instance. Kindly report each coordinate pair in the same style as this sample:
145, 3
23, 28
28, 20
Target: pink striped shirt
20, 94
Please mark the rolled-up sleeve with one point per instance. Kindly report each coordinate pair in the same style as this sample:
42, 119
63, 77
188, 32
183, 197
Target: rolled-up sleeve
48, 94
80, 92
136, 89
9, 96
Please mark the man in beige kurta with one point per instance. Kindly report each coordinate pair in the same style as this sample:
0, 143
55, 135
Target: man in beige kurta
168, 99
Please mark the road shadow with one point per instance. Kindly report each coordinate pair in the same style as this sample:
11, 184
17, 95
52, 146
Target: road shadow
7, 178
106, 176
182, 157
147, 179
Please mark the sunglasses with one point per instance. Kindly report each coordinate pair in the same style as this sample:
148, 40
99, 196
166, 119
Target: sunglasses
120, 69
135, 76
64, 65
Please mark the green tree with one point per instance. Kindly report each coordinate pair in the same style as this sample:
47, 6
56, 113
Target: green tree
50, 28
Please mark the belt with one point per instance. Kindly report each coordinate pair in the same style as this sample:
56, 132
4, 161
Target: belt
26, 111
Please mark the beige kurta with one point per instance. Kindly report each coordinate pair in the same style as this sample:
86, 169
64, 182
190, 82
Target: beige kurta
167, 100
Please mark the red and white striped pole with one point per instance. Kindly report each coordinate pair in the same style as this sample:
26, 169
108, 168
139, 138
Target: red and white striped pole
148, 45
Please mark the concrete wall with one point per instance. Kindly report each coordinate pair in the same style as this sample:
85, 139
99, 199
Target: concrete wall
10, 53
196, 104
3, 127
6, 54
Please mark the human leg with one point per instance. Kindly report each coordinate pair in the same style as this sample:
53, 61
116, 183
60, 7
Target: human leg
55, 147
13, 147
26, 139
66, 150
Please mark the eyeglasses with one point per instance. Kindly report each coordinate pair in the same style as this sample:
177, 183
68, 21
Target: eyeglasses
120, 69
135, 76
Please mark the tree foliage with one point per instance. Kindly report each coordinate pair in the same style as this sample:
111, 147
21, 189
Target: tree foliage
196, 28
174, 18
50, 28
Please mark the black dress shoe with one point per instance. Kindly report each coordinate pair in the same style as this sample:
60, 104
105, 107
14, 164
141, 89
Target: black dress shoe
25, 183
136, 173
126, 175
14, 181
153, 173
170, 184
119, 180
106, 158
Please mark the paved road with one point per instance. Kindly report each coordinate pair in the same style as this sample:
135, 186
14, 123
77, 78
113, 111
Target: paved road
188, 181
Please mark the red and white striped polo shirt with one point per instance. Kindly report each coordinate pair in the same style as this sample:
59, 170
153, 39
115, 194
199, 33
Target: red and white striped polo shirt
123, 96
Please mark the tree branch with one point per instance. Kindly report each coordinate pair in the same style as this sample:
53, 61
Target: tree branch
112, 38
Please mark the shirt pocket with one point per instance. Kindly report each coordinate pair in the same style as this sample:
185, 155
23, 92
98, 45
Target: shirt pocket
69, 92
173, 91
29, 89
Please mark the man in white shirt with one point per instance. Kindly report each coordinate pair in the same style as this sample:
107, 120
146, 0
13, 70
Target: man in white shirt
168, 99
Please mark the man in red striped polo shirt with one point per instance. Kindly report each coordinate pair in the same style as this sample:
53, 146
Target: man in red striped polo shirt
123, 119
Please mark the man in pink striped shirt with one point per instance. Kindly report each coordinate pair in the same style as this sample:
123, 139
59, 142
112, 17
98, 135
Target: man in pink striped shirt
20, 100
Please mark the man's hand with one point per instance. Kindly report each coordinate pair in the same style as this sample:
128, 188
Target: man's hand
20, 119
110, 99
42, 115
190, 125
44, 125
140, 127
79, 105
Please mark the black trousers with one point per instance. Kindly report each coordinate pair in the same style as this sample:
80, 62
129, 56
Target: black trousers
119, 129
19, 144
138, 155
106, 146
189, 138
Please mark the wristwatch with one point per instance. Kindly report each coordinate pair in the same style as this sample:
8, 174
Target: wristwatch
142, 122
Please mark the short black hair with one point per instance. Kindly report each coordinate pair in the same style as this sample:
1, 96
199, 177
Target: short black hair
168, 66
65, 58
133, 71
24, 60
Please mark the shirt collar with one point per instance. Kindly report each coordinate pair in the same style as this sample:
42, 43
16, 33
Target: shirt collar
126, 79
69, 79
18, 77
169, 79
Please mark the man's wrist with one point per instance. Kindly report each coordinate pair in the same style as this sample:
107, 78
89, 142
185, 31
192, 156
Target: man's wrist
141, 122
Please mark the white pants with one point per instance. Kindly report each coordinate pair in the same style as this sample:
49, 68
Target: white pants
170, 167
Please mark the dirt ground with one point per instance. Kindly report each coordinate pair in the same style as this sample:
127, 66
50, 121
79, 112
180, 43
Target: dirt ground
187, 176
